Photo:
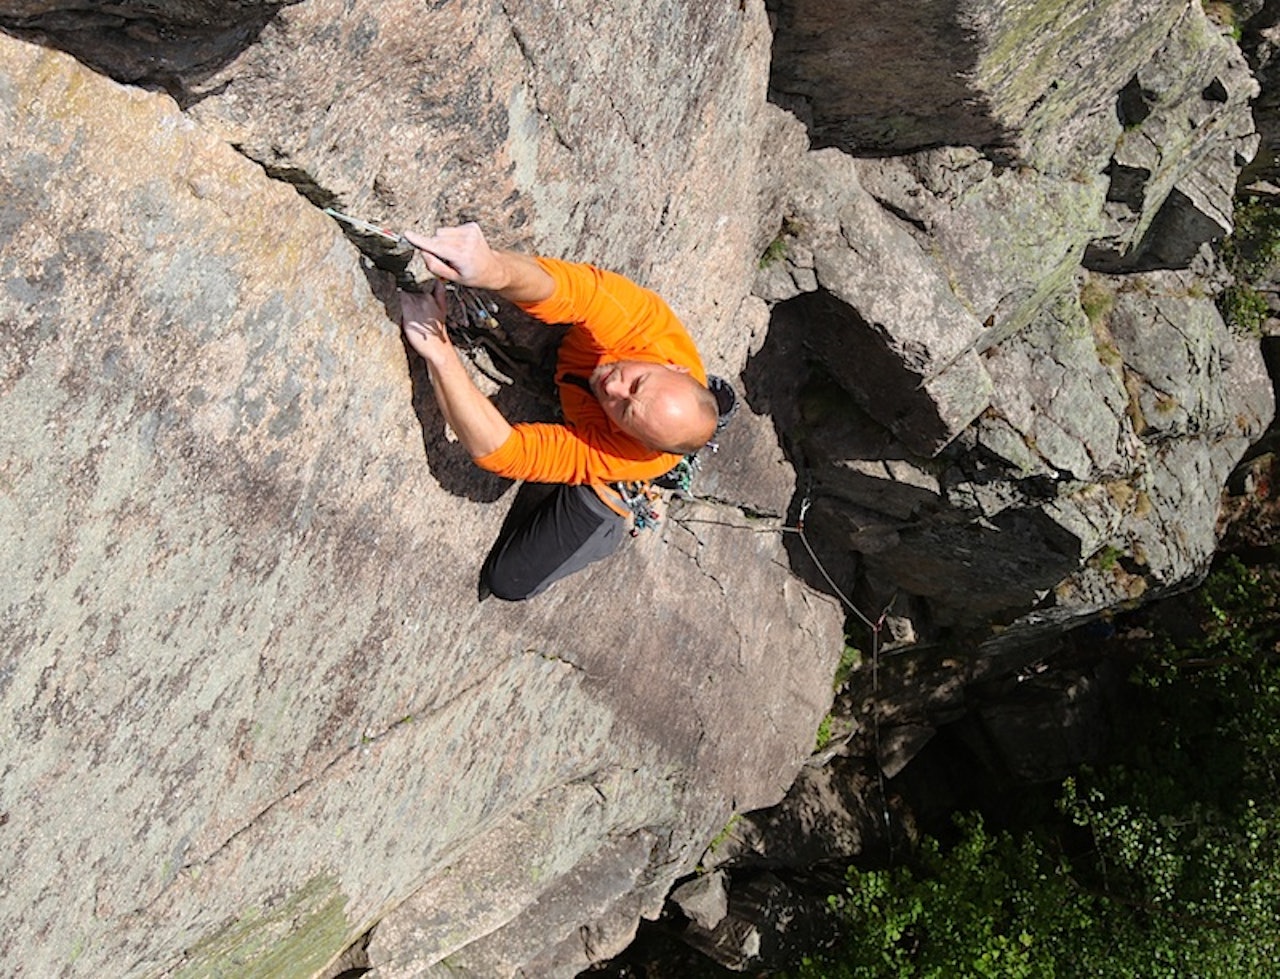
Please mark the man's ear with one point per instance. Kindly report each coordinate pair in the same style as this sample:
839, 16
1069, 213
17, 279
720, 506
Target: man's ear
678, 368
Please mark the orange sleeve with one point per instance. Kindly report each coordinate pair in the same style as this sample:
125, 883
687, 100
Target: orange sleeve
557, 454
621, 317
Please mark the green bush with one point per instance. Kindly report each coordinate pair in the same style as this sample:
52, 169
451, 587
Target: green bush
1251, 254
1164, 864
990, 906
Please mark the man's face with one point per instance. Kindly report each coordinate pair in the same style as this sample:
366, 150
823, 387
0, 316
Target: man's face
647, 401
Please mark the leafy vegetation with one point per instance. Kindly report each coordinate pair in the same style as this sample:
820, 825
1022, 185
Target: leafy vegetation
850, 657
726, 831
1230, 15
825, 733
1165, 862
1097, 300
1252, 255
776, 250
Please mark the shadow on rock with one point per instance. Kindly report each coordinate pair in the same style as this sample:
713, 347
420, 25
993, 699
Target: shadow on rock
882, 525
526, 389
174, 47
779, 381
826, 69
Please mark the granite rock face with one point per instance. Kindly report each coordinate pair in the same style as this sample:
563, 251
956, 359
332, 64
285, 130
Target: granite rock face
251, 707
1024, 77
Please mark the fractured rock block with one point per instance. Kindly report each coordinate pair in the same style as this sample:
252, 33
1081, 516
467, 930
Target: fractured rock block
998, 75
1187, 133
885, 320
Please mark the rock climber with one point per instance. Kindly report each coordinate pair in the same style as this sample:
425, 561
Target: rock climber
632, 388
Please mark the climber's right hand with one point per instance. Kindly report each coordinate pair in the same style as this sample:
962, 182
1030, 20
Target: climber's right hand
461, 254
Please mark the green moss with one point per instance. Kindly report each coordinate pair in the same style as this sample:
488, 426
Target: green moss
1224, 14
1108, 353
297, 937
1252, 255
722, 837
1106, 558
823, 737
1022, 31
777, 249
1097, 301
1051, 285
1245, 309
775, 253
850, 658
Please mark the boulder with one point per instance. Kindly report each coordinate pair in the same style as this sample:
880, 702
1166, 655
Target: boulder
881, 314
1187, 132
1063, 479
704, 899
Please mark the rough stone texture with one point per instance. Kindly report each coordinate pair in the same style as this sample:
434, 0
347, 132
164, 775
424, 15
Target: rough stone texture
1006, 238
251, 706
145, 41
1187, 132
1062, 496
242, 552
1260, 179
830, 813
704, 899
766, 920
888, 323
565, 126
1027, 514
1025, 75
1043, 466
1261, 41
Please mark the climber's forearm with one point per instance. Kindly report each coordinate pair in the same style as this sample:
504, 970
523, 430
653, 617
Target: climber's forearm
462, 255
476, 421
525, 280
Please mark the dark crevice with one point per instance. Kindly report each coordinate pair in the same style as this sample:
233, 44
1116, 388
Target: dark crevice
1134, 104
133, 44
903, 215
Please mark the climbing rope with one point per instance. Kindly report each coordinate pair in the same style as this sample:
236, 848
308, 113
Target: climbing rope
875, 626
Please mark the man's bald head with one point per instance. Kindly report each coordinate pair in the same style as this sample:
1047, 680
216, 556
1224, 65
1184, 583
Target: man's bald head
662, 405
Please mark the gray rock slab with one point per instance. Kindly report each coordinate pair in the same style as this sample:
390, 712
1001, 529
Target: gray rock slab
1187, 133
254, 706
1024, 75
704, 899
1103, 453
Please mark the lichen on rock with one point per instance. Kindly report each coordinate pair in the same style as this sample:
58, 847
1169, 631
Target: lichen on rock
957, 257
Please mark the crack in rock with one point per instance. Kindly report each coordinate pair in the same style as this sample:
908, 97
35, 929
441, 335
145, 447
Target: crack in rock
366, 740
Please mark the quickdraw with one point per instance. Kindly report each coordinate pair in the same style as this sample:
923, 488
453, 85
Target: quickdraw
640, 499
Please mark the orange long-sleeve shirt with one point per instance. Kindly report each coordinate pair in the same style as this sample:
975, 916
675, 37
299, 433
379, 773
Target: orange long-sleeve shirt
612, 319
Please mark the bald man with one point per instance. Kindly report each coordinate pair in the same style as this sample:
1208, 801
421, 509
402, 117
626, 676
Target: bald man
632, 387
